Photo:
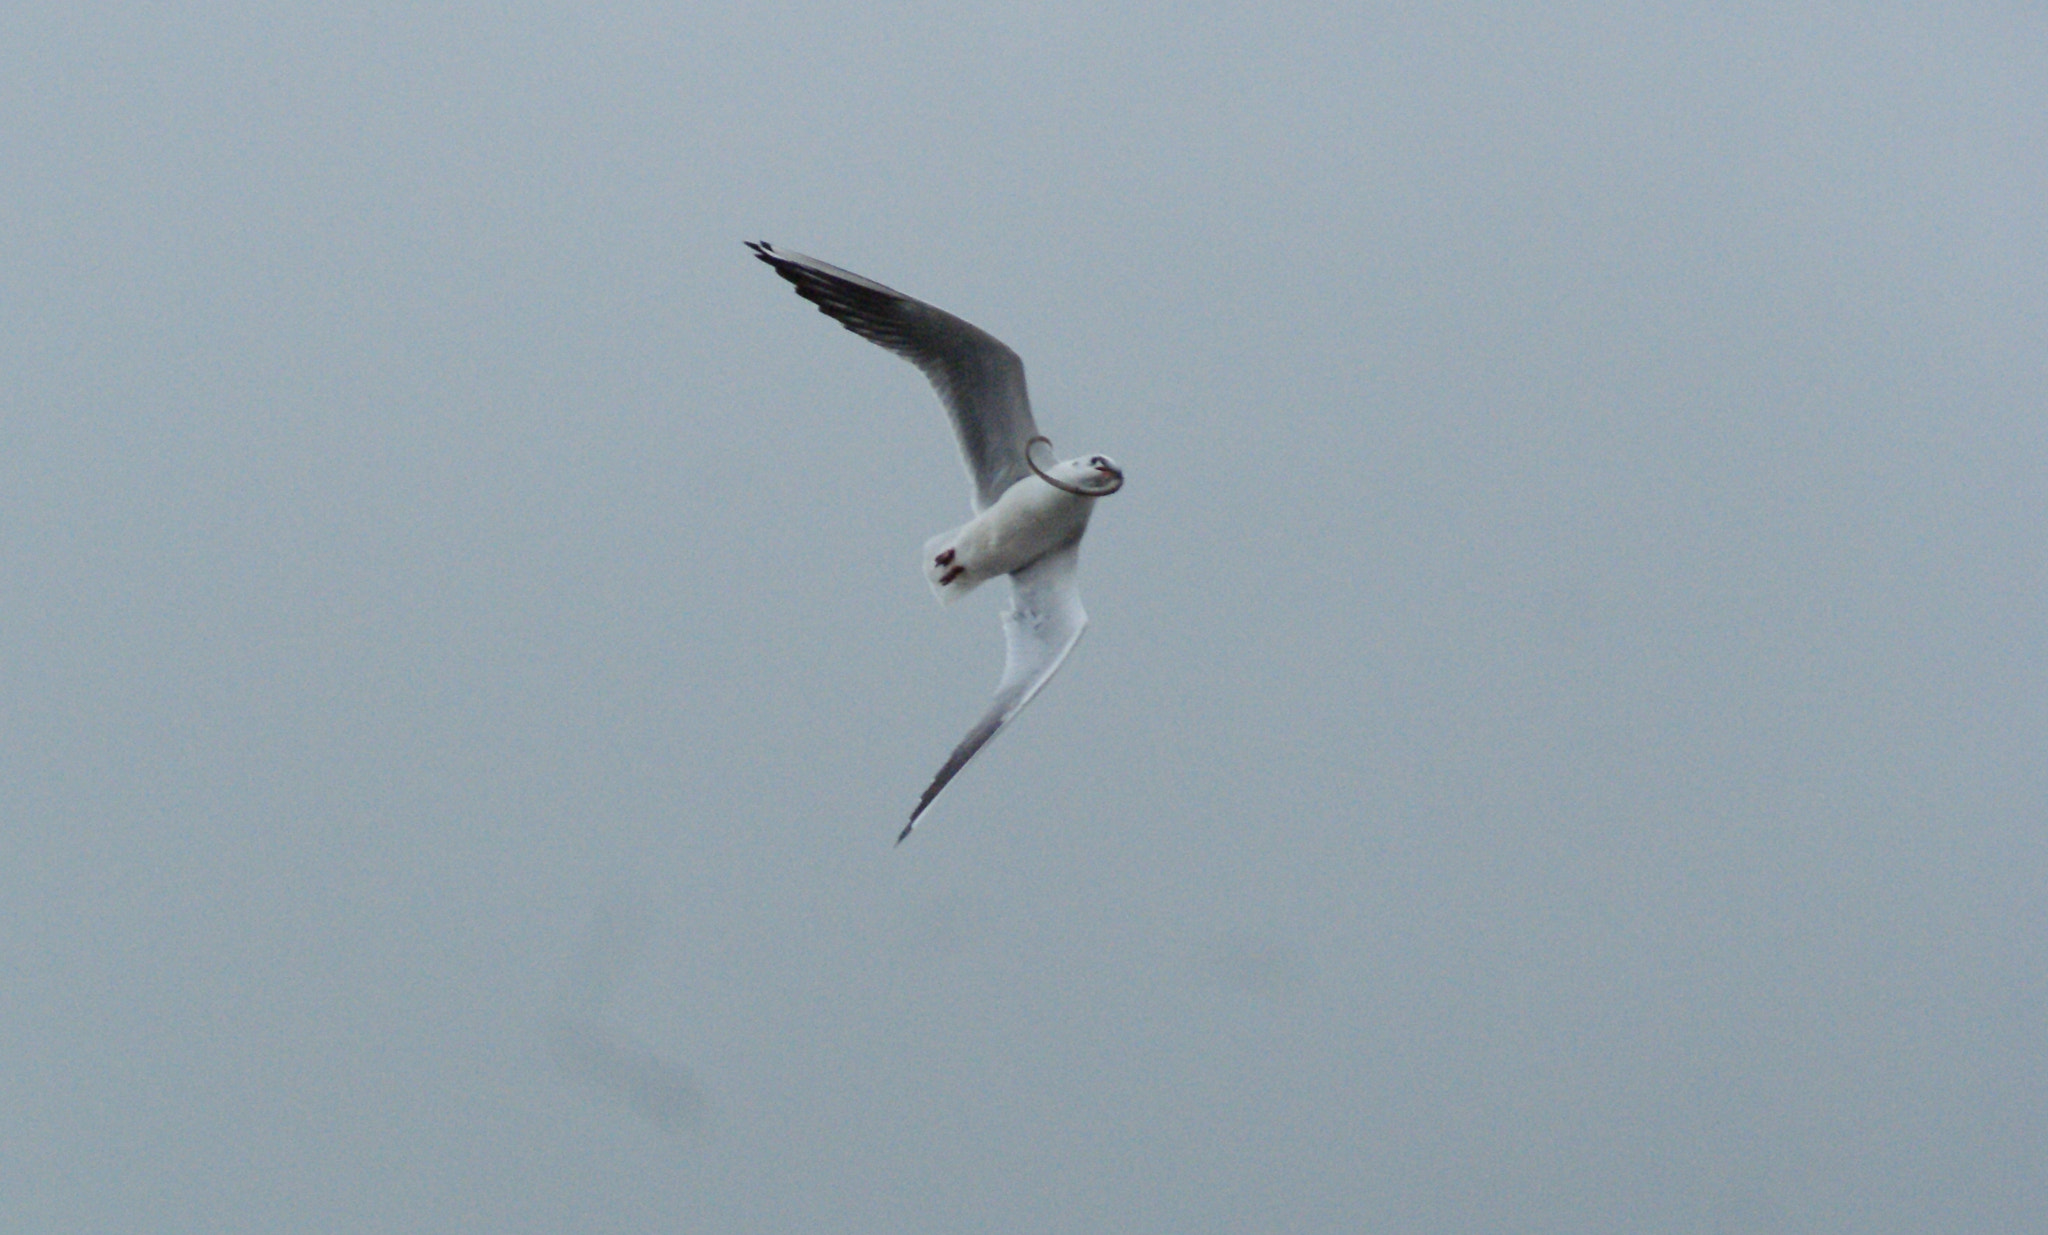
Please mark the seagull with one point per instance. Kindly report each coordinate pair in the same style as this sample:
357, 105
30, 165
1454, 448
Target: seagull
1028, 518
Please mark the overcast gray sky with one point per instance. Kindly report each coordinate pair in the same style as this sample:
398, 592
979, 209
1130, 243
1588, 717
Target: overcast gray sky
1562, 746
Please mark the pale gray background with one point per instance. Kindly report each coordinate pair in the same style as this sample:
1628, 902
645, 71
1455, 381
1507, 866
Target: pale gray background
1561, 746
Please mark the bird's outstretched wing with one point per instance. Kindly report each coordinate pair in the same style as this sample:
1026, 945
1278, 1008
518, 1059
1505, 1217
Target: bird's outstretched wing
1042, 625
980, 381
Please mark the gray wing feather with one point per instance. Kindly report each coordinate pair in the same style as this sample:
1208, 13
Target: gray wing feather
980, 381
1042, 625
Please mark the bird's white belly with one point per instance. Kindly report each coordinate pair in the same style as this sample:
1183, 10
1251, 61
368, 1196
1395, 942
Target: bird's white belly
1030, 520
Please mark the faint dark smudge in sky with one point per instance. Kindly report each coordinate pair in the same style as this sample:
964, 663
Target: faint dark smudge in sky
657, 1090
588, 1051
1251, 965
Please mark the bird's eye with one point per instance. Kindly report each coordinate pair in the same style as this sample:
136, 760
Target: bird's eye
1098, 461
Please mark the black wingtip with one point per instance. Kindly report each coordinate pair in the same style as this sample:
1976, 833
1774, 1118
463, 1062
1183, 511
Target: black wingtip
922, 802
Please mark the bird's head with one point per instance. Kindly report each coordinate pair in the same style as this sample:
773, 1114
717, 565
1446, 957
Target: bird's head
1088, 476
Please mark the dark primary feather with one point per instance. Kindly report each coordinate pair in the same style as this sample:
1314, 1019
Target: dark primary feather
980, 380
969, 747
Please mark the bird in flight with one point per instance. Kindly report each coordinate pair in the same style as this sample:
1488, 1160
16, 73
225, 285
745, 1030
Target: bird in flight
1028, 517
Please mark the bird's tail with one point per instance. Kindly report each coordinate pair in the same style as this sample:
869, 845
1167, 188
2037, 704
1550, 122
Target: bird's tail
949, 576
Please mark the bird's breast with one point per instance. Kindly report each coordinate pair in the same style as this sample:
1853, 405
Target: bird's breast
1028, 521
